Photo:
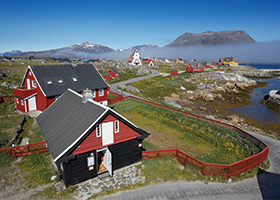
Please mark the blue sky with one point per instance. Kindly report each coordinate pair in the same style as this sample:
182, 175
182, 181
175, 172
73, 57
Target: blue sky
41, 25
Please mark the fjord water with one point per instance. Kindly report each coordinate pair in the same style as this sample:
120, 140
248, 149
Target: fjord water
256, 110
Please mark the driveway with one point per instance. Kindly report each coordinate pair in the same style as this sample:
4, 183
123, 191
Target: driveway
264, 186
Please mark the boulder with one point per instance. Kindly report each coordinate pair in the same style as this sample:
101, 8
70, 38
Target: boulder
235, 91
174, 103
235, 119
132, 89
142, 71
208, 97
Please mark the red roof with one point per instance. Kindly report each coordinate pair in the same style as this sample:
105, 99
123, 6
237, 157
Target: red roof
130, 59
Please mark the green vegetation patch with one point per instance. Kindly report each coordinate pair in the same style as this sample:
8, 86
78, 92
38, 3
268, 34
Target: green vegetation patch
7, 108
51, 192
38, 168
202, 140
160, 86
5, 159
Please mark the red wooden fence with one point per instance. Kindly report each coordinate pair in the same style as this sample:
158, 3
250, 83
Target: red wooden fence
208, 168
24, 150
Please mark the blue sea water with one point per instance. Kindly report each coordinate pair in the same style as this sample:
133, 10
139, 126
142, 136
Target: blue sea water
256, 110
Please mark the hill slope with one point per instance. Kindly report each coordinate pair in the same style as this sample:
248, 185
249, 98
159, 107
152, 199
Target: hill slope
211, 38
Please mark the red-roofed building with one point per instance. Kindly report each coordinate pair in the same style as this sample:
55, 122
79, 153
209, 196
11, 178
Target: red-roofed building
134, 58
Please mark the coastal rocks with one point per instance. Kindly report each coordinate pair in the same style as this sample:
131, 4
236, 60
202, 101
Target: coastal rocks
235, 119
265, 73
272, 100
208, 97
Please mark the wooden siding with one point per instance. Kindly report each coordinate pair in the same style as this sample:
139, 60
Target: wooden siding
125, 153
76, 170
92, 142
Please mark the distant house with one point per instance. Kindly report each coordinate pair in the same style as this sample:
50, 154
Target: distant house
174, 72
43, 84
114, 72
194, 67
134, 58
87, 139
149, 62
179, 61
228, 61
107, 75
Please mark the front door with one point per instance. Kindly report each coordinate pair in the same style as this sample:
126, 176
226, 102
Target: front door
108, 161
32, 104
107, 133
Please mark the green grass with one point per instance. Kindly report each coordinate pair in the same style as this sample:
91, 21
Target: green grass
148, 146
5, 159
38, 168
51, 192
7, 108
158, 87
202, 140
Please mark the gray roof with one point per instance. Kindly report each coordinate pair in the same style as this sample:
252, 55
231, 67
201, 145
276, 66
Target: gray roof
193, 64
68, 121
115, 71
65, 120
85, 75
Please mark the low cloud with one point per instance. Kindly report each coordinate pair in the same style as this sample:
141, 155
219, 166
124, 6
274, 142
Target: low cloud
265, 52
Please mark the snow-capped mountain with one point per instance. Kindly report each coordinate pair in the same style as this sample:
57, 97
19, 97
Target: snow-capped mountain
10, 53
141, 48
90, 48
77, 50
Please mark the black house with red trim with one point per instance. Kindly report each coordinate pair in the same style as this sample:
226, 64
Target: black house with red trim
87, 139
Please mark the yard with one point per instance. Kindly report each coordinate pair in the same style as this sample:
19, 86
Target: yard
206, 142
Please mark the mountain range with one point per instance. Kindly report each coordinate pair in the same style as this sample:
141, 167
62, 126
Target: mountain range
209, 38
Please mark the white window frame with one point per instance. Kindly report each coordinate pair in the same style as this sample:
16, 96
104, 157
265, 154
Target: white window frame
17, 101
34, 84
94, 93
101, 92
117, 126
21, 102
98, 130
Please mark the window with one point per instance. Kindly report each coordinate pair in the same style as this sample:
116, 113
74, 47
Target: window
34, 84
93, 93
49, 82
17, 100
101, 92
74, 79
98, 130
21, 102
116, 126
30, 73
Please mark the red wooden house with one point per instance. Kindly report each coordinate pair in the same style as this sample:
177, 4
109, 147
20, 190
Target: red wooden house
107, 75
114, 72
87, 139
43, 84
194, 67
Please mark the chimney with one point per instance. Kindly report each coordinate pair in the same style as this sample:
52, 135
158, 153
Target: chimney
87, 94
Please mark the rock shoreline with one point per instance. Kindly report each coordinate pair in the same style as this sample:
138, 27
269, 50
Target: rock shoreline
272, 100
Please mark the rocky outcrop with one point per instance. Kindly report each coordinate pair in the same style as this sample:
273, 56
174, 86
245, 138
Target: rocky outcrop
272, 100
129, 88
174, 103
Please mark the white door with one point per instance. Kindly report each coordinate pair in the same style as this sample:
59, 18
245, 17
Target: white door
32, 104
107, 133
28, 83
108, 161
